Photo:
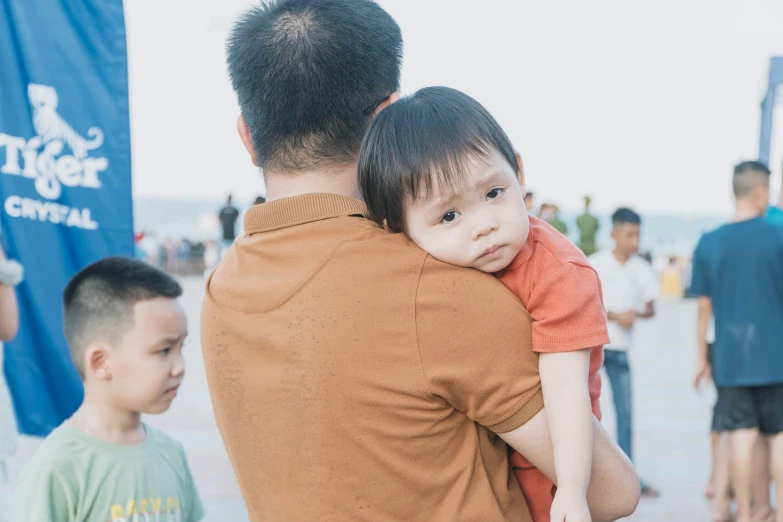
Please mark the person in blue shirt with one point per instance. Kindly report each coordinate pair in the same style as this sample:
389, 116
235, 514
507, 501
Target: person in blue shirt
775, 214
738, 278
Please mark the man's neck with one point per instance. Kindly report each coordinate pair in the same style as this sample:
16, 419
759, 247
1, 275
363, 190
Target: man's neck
621, 256
744, 210
336, 180
101, 420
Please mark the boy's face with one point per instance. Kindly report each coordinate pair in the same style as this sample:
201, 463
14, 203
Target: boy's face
484, 225
626, 237
147, 366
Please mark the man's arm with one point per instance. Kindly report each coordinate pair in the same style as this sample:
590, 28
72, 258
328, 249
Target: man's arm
614, 488
703, 370
474, 341
701, 287
624, 319
649, 311
651, 289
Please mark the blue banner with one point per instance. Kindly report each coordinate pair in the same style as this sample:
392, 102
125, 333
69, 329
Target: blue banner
65, 179
774, 95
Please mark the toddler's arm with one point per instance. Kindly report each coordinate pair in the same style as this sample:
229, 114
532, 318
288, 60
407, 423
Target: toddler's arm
614, 487
564, 378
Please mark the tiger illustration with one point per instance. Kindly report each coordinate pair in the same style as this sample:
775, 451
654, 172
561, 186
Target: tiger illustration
50, 126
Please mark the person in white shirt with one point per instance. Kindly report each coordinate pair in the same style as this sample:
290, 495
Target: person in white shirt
630, 287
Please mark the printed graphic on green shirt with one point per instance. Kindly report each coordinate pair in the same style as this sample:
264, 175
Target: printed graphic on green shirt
164, 510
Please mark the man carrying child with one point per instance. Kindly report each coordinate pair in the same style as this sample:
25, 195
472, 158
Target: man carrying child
354, 376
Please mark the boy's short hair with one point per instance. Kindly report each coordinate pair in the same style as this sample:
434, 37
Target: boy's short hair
625, 215
308, 76
98, 301
747, 176
424, 137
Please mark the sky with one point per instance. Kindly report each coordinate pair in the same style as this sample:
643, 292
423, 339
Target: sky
642, 104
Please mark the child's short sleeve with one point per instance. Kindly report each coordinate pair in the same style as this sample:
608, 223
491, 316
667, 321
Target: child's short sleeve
193, 508
567, 309
43, 495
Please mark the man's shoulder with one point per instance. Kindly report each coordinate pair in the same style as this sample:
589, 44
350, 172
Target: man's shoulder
743, 231
709, 239
465, 292
380, 252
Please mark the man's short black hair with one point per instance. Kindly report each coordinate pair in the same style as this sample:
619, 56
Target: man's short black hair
98, 301
747, 176
626, 215
422, 139
309, 75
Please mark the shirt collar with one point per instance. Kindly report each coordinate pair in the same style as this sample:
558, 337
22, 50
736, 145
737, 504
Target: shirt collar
298, 210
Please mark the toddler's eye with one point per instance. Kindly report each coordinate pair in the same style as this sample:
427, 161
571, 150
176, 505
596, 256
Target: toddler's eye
495, 192
449, 216
164, 352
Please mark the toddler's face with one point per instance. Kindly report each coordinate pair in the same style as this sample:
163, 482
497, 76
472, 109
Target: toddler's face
483, 224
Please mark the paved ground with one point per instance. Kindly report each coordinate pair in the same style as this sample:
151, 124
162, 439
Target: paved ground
671, 421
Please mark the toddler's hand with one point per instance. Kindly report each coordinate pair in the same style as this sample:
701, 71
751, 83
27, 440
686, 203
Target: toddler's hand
570, 506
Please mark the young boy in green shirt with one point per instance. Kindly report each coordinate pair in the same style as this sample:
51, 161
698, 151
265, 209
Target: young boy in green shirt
125, 329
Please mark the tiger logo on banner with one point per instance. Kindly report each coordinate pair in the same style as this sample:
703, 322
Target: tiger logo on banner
43, 159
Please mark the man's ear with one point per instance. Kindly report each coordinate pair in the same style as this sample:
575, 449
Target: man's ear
521, 172
97, 361
247, 140
393, 97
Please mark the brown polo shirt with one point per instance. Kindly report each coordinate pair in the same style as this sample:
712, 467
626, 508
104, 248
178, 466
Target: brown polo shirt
353, 377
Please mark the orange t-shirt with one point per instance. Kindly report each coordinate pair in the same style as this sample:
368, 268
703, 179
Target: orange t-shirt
562, 293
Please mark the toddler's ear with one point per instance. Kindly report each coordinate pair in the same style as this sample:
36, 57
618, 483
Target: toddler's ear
521, 172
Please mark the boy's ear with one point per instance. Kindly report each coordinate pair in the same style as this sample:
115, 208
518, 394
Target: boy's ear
97, 361
521, 172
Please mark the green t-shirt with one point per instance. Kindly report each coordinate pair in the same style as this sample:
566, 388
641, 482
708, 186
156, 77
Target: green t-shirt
588, 228
77, 478
560, 225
